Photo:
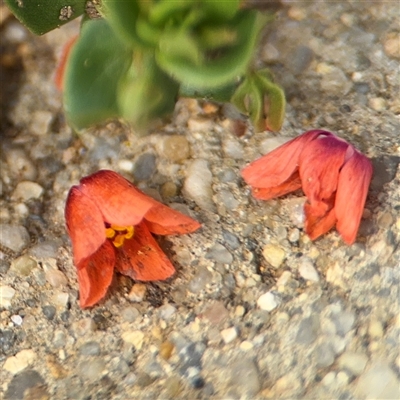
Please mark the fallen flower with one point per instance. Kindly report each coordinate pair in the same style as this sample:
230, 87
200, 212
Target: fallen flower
333, 175
110, 224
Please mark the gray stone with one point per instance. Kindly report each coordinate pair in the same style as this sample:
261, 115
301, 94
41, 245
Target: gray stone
343, 321
90, 349
308, 330
145, 167
219, 254
15, 237
230, 239
324, 356
22, 382
244, 378
201, 278
92, 370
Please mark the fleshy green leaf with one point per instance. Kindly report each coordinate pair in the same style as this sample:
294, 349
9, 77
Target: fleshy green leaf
123, 16
225, 67
97, 63
41, 16
146, 92
262, 100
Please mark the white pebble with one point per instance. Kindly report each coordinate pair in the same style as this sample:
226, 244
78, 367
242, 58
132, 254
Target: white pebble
307, 271
197, 184
6, 295
16, 319
267, 301
20, 361
134, 337
60, 299
229, 334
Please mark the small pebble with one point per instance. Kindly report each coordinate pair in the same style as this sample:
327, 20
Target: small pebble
16, 320
84, 327
21, 167
377, 103
56, 278
274, 255
166, 349
219, 254
267, 301
307, 270
175, 148
375, 329
166, 311
59, 339
130, 314
216, 313
22, 266
244, 378
232, 149
90, 349
27, 190
197, 184
60, 299
137, 293
308, 330
27, 385
391, 45
145, 167
20, 361
92, 370
49, 312
229, 334
230, 239
353, 362
200, 280
15, 237
378, 381
40, 122
135, 338
6, 295
246, 345
199, 124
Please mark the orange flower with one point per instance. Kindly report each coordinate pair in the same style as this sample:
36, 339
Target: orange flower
334, 176
110, 223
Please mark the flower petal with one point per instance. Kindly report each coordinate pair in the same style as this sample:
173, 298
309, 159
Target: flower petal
354, 180
118, 200
315, 224
142, 259
95, 274
291, 185
319, 166
276, 167
84, 224
163, 220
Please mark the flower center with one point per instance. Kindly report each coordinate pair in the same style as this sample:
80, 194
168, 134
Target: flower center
117, 234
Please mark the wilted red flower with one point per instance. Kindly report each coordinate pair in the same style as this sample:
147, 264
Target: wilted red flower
110, 223
334, 176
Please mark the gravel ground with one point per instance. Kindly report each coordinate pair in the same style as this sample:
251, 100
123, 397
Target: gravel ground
257, 310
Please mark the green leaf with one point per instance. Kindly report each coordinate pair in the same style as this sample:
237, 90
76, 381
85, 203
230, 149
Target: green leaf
262, 100
146, 92
224, 67
221, 10
41, 16
124, 16
97, 63
274, 101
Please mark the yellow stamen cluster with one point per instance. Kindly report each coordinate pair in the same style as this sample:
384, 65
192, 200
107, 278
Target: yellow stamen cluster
119, 233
